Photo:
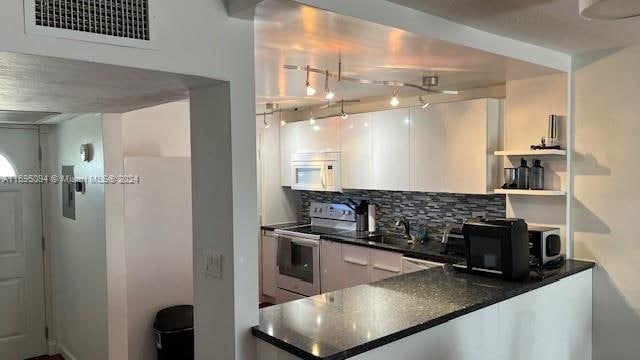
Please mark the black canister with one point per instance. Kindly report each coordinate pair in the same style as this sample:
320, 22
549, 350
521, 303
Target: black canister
522, 175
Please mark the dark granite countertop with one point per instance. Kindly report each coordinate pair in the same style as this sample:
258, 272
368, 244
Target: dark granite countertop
428, 250
344, 323
272, 227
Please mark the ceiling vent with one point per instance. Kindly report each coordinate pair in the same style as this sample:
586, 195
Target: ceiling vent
609, 9
119, 22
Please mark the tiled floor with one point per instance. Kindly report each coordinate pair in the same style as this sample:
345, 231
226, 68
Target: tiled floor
46, 357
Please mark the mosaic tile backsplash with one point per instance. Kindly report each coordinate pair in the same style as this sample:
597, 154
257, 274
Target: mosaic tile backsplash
435, 210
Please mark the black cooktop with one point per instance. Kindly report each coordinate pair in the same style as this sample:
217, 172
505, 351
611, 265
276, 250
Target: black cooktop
320, 230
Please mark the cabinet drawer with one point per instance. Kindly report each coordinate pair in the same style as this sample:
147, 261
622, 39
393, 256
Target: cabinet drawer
356, 262
385, 264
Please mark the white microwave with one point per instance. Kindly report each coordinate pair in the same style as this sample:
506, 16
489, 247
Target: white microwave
318, 171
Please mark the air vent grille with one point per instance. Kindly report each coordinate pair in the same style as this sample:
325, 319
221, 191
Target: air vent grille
119, 18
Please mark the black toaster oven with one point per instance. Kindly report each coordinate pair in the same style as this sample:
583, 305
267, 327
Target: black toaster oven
499, 247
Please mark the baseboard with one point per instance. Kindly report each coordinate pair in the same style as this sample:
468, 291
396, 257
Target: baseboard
65, 353
52, 347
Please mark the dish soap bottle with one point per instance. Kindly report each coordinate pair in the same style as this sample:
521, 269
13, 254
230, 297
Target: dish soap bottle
522, 175
536, 180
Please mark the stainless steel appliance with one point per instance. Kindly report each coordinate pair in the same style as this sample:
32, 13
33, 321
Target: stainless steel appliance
318, 171
298, 259
545, 244
497, 246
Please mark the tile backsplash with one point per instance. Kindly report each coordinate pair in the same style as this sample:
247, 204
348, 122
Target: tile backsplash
435, 210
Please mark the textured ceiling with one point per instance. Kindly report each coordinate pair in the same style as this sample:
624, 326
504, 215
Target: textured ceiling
290, 33
553, 24
45, 84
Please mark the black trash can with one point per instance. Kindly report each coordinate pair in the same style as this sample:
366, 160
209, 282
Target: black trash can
174, 333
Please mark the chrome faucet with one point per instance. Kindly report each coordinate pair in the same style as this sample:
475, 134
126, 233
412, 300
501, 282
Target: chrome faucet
407, 227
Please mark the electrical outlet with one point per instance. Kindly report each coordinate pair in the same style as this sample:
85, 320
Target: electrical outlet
213, 264
479, 214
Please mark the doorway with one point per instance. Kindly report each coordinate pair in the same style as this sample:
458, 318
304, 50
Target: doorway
22, 301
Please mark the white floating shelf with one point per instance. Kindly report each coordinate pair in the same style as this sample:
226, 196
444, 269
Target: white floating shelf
530, 152
531, 192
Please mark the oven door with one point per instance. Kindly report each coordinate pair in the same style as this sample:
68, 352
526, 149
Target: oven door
298, 265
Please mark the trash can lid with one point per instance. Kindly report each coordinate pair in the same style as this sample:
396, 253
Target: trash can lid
174, 318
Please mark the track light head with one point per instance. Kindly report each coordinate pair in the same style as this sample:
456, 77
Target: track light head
394, 99
310, 90
328, 94
344, 115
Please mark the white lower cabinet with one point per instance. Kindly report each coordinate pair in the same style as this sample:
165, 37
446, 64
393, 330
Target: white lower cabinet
346, 265
331, 265
269, 246
385, 264
356, 261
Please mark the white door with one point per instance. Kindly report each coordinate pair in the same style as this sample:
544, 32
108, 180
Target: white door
22, 317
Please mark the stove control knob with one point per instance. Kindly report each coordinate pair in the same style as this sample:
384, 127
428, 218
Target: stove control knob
315, 210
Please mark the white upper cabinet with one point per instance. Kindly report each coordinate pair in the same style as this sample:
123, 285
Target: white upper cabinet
472, 135
322, 135
391, 149
287, 147
428, 148
356, 136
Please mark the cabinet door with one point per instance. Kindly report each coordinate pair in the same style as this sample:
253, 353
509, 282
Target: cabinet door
356, 137
391, 149
269, 253
428, 148
323, 135
466, 152
287, 147
356, 265
331, 266
385, 264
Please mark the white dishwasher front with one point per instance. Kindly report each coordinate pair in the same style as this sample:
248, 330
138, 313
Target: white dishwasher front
410, 265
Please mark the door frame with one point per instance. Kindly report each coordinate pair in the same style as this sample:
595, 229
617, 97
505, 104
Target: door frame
43, 131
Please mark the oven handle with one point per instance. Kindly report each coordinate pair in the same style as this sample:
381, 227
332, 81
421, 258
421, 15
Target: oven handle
305, 242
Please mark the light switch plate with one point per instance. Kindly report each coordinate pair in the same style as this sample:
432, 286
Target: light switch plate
213, 264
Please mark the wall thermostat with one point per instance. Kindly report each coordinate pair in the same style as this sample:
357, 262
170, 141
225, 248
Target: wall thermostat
85, 152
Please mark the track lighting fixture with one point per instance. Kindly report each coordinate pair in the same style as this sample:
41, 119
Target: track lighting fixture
264, 120
394, 100
311, 119
328, 94
343, 114
423, 103
310, 90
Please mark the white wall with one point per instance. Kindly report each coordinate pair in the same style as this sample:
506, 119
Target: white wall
159, 245
528, 104
79, 246
196, 37
161, 130
605, 207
